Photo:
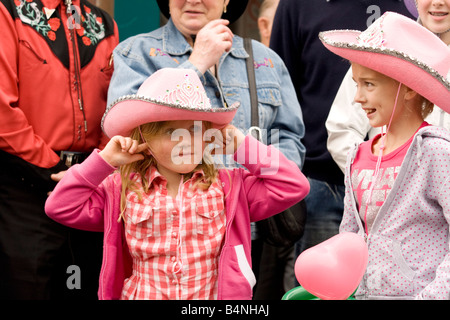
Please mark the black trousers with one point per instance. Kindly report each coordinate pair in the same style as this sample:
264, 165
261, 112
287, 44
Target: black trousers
274, 270
35, 251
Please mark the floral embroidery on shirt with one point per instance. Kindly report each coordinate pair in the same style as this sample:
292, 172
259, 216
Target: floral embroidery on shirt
92, 29
158, 52
30, 14
265, 63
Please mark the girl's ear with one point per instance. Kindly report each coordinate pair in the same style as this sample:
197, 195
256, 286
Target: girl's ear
410, 94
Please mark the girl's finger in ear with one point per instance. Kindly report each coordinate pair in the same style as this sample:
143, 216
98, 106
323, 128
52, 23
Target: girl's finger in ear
141, 147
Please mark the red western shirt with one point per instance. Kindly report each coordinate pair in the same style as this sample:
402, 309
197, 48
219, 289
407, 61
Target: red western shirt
55, 68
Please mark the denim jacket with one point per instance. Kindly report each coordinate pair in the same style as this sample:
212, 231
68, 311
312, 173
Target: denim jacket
280, 116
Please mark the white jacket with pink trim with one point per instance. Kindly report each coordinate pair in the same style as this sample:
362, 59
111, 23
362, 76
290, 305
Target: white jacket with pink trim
409, 253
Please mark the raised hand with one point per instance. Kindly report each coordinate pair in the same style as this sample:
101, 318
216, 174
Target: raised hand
123, 150
226, 140
213, 40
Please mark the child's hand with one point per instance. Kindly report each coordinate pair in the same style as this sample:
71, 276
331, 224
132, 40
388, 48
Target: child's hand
123, 150
228, 141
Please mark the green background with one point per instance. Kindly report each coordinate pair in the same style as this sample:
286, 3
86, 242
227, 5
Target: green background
136, 16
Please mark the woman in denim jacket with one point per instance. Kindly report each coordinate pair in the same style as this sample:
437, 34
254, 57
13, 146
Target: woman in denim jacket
196, 38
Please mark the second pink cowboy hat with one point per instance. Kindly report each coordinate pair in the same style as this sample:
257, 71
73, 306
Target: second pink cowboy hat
399, 48
168, 94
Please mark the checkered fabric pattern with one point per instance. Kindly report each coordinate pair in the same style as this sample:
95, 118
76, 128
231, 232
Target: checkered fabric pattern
175, 243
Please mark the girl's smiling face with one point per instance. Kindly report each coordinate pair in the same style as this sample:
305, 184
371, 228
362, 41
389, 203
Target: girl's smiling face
435, 16
376, 93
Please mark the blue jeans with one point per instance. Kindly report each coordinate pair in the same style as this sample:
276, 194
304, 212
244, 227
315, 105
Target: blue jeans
324, 209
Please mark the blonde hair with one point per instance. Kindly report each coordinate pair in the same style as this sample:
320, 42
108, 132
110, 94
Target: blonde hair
427, 107
145, 133
423, 105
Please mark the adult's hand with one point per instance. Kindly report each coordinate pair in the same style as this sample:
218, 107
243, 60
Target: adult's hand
58, 176
213, 40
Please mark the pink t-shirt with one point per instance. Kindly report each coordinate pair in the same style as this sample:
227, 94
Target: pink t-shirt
362, 172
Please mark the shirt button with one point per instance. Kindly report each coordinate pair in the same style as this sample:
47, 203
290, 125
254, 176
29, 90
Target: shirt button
174, 234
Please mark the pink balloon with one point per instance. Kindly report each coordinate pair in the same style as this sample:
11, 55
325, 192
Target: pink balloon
333, 269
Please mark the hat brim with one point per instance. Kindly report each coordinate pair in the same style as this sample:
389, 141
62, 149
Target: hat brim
129, 113
235, 9
394, 64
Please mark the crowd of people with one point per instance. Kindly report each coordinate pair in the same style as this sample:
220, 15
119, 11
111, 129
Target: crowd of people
138, 162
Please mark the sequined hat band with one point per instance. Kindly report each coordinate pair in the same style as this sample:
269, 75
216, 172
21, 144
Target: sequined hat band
402, 49
167, 95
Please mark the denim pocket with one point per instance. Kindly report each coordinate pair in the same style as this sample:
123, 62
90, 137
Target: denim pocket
269, 100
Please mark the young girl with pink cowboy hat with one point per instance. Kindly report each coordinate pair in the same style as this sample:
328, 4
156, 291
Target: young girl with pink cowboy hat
346, 126
397, 183
175, 227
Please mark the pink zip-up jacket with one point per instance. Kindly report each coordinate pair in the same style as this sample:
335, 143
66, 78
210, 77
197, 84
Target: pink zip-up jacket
88, 198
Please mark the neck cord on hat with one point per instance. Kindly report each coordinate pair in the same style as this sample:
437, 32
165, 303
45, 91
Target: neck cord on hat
380, 156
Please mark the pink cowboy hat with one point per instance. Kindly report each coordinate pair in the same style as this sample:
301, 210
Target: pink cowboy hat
167, 95
402, 49
412, 7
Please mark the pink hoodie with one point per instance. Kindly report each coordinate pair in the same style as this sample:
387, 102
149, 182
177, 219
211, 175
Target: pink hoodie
88, 198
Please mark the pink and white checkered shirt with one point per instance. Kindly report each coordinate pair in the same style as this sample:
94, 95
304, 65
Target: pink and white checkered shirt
175, 243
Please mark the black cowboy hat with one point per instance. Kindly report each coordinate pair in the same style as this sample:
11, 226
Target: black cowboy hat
235, 9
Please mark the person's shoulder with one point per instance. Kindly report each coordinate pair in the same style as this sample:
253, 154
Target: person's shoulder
142, 37
431, 145
434, 136
262, 51
139, 41
365, 148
